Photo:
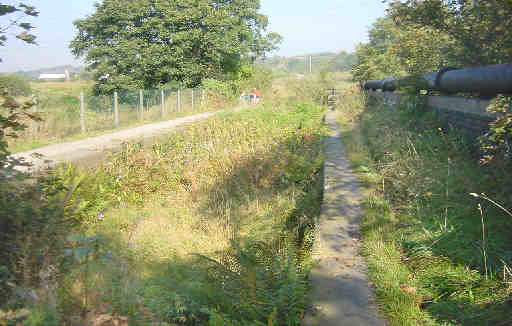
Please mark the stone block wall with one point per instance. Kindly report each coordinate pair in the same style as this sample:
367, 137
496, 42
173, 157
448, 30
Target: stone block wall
468, 114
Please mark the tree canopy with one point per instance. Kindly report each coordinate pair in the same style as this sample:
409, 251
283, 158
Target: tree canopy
420, 36
343, 61
131, 44
14, 21
481, 30
11, 111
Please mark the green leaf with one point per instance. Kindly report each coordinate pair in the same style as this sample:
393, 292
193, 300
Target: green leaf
142, 43
81, 252
77, 237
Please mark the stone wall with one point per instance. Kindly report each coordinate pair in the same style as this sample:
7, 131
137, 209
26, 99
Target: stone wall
468, 114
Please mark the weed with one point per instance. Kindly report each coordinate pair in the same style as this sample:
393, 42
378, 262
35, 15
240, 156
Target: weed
419, 231
210, 224
204, 233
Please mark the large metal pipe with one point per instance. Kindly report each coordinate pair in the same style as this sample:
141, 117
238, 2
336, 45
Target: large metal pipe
486, 80
373, 84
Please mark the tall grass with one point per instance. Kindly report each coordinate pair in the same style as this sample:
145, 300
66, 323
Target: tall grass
208, 226
432, 260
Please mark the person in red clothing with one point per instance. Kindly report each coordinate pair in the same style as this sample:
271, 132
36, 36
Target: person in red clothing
255, 95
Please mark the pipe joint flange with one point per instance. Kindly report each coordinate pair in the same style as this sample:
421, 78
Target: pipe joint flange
440, 75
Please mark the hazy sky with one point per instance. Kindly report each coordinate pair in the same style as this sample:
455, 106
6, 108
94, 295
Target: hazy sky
306, 26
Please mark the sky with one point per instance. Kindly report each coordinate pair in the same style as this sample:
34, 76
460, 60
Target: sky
306, 26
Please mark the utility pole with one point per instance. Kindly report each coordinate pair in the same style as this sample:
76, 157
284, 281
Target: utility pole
310, 64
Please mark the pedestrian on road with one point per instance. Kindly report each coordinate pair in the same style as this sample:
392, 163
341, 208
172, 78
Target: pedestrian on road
244, 99
255, 96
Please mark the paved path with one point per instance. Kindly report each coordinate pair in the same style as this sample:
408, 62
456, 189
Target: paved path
94, 146
340, 294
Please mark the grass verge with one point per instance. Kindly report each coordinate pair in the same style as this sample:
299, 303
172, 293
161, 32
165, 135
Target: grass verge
209, 226
58, 129
434, 259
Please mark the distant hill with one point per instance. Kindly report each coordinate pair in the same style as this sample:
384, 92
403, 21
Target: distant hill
34, 74
324, 61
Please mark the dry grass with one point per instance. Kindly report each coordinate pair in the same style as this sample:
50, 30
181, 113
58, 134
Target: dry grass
243, 179
422, 233
59, 107
207, 225
72, 88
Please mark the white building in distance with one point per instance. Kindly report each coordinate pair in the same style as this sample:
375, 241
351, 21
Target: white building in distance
54, 77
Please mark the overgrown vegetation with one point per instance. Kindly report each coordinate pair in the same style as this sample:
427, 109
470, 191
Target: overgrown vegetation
208, 226
496, 144
185, 231
17, 85
437, 255
420, 36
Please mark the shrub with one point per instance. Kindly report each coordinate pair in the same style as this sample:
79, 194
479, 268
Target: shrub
17, 85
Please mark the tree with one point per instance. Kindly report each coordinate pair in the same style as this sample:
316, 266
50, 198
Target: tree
481, 30
16, 23
13, 203
402, 49
131, 44
11, 112
344, 61
375, 59
18, 85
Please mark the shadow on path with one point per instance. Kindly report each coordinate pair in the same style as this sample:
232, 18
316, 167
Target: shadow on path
340, 293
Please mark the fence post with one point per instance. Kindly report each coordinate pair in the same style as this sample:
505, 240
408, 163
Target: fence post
34, 107
82, 112
163, 103
116, 110
141, 106
202, 97
179, 100
192, 99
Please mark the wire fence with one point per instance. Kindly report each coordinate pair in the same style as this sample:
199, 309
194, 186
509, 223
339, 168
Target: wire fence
68, 115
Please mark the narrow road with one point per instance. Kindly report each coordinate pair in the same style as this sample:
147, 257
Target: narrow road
341, 295
95, 146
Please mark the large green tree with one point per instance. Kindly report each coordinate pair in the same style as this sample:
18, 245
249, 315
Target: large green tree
375, 59
419, 36
11, 112
131, 44
481, 29
402, 49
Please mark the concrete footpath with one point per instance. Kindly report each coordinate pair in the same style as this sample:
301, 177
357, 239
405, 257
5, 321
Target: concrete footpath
341, 294
94, 147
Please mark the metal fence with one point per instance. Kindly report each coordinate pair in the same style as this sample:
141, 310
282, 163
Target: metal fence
72, 114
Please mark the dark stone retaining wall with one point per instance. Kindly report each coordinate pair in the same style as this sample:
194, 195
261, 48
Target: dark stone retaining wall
468, 114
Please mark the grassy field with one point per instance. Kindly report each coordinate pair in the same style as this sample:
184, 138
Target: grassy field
208, 226
437, 255
45, 89
59, 107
